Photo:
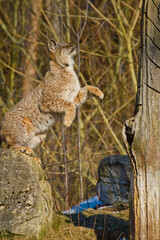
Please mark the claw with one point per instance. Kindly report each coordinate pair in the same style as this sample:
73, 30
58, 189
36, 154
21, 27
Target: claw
25, 150
37, 160
101, 96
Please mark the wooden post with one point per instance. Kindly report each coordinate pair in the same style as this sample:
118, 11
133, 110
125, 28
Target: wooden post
142, 133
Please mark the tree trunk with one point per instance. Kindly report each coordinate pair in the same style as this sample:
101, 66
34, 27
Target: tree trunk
142, 133
32, 49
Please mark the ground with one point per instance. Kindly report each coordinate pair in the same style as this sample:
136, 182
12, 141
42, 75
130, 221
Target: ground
107, 223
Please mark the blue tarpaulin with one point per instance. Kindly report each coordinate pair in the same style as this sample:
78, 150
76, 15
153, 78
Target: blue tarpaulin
90, 203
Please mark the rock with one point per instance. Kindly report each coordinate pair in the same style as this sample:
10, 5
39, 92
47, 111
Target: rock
26, 204
114, 179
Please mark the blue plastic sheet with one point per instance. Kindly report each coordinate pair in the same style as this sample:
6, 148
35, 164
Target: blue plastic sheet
90, 203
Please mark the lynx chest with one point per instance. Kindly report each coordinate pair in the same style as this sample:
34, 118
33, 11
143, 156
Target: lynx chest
69, 87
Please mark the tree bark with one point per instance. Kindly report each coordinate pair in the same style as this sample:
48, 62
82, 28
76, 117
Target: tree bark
142, 132
32, 49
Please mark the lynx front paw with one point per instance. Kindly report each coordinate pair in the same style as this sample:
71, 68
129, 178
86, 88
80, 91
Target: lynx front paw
67, 122
101, 94
96, 91
69, 114
81, 97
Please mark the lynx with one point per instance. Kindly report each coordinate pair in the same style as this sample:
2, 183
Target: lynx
25, 125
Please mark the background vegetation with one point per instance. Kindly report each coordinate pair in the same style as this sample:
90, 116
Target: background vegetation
106, 34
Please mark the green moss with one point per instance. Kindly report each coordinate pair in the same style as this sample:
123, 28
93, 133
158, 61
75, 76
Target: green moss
10, 236
119, 211
43, 233
60, 229
59, 220
63, 228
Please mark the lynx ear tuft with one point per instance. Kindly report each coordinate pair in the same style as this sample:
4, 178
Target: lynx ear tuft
52, 45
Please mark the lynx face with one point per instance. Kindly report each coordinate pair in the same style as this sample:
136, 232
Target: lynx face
63, 53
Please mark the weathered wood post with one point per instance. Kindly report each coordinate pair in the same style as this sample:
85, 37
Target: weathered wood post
142, 133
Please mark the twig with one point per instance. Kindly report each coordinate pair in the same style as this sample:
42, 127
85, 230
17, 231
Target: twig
65, 164
20, 73
79, 156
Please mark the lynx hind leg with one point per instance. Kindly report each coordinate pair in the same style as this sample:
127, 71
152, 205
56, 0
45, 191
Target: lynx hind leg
24, 149
69, 115
96, 91
27, 151
36, 140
